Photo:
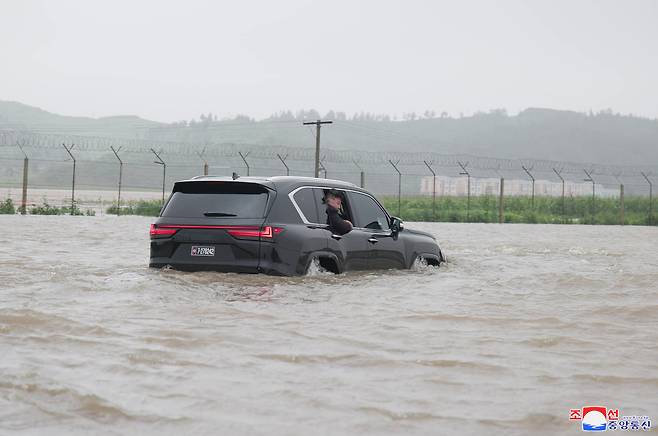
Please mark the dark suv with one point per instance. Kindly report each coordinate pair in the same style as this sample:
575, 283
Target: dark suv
277, 225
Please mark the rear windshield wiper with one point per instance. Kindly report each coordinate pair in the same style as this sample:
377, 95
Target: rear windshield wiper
218, 214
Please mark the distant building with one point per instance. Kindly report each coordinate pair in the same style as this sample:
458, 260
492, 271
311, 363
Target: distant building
458, 186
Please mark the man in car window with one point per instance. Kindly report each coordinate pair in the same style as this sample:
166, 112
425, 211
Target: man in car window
335, 217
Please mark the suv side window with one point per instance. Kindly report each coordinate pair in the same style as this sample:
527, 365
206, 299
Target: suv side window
318, 193
345, 211
305, 199
368, 213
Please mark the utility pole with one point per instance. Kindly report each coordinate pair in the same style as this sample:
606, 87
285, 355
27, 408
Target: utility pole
646, 177
468, 189
318, 124
68, 150
559, 174
323, 168
116, 153
429, 167
164, 172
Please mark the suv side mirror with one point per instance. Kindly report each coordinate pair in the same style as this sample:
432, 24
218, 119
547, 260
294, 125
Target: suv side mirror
396, 224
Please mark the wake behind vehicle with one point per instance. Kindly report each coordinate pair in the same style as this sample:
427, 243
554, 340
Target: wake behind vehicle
277, 225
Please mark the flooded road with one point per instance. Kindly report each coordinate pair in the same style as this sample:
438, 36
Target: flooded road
523, 323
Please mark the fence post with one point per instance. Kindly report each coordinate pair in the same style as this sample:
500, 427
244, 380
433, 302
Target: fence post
244, 159
116, 153
203, 159
399, 185
26, 162
283, 161
363, 175
429, 167
621, 204
646, 177
164, 172
468, 188
564, 215
68, 150
501, 202
590, 179
533, 183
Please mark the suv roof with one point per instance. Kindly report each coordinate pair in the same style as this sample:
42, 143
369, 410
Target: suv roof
275, 181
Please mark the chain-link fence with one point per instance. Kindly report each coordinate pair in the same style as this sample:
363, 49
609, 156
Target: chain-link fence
43, 165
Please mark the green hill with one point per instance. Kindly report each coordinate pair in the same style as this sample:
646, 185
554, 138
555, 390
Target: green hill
19, 116
535, 133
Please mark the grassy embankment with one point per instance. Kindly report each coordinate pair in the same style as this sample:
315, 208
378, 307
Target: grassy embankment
7, 207
577, 210
139, 207
484, 209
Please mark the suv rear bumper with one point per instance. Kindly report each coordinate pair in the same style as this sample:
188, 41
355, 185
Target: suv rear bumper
163, 262
275, 269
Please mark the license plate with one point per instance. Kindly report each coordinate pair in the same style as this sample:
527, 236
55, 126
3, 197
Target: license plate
202, 251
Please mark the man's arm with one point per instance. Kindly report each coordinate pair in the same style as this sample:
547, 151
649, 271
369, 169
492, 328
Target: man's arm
336, 223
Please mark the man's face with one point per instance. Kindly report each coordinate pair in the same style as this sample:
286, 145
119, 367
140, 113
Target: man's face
334, 202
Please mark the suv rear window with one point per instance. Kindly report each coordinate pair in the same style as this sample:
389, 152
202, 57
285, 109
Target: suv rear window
217, 200
305, 200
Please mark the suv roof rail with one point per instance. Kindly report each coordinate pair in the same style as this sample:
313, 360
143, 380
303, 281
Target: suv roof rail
204, 177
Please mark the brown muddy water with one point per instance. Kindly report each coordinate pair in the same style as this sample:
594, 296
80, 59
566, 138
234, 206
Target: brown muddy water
524, 323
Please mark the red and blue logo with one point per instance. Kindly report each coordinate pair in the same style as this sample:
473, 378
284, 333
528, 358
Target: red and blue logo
595, 418
599, 418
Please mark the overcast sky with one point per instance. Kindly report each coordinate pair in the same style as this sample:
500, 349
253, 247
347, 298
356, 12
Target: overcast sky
172, 60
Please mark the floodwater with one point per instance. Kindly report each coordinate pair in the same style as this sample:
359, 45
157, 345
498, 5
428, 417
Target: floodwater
524, 323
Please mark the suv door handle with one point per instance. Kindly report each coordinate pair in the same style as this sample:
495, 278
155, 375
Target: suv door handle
336, 237
373, 240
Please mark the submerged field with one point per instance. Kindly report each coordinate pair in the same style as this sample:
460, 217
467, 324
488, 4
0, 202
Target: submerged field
524, 323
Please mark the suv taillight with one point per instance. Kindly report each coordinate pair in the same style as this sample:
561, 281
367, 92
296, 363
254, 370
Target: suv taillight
253, 232
265, 233
157, 232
